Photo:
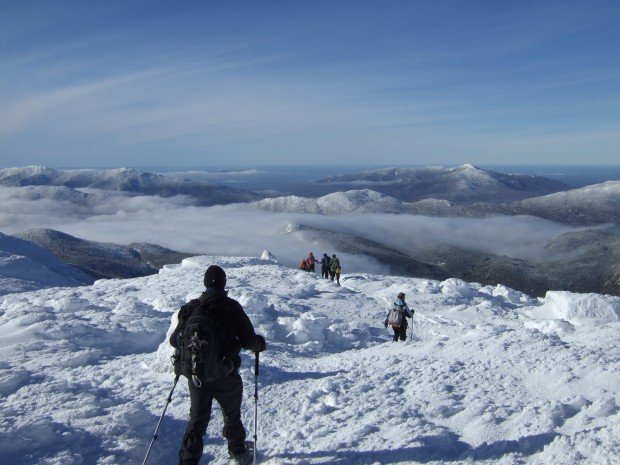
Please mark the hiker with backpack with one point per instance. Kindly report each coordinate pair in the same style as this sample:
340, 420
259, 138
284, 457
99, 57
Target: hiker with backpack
334, 269
209, 336
311, 260
325, 266
397, 318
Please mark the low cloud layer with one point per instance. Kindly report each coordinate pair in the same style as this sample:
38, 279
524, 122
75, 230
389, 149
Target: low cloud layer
243, 230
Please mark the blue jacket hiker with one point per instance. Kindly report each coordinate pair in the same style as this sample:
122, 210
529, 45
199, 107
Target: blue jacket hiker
397, 317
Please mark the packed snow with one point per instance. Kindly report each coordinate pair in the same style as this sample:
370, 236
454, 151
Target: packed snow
492, 376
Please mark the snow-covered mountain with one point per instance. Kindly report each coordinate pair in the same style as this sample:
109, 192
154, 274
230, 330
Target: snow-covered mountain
338, 203
465, 183
97, 259
585, 260
598, 203
590, 205
25, 266
491, 377
126, 180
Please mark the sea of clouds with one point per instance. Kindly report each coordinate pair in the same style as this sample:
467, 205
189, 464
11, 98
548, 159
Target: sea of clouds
242, 230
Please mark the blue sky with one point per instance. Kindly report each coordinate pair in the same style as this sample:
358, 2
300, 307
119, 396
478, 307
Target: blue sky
189, 84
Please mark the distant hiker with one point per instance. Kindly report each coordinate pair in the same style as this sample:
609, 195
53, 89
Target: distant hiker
397, 317
325, 266
334, 268
213, 320
310, 261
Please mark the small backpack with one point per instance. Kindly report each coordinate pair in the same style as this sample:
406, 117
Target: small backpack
199, 348
395, 317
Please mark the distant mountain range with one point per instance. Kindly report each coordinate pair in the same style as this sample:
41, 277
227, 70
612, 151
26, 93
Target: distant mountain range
582, 261
126, 180
596, 204
338, 203
465, 191
463, 184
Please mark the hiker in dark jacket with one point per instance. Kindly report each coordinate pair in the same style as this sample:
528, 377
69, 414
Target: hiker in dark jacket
227, 391
325, 266
400, 332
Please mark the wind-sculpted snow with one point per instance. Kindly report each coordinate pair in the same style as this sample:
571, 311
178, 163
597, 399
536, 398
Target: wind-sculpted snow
492, 376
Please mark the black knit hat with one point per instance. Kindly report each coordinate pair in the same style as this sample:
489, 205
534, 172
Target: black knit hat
215, 277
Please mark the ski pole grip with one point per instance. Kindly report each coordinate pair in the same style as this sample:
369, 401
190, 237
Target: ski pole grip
256, 363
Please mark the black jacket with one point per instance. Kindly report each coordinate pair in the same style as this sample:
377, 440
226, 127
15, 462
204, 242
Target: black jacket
238, 330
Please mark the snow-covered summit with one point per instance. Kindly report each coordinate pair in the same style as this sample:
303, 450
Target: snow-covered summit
29, 175
491, 377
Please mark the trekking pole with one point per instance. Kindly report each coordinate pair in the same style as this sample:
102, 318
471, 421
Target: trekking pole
255, 404
160, 419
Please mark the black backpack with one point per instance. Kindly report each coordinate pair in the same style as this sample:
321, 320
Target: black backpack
395, 317
199, 341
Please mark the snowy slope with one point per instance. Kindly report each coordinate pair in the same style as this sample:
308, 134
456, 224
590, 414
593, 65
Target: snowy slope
492, 377
598, 203
26, 267
98, 259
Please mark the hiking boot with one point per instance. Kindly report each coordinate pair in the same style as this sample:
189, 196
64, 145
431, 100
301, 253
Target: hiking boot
242, 458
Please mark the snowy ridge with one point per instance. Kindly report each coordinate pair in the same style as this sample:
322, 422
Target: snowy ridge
26, 267
595, 204
338, 203
125, 180
598, 203
465, 183
492, 377
98, 259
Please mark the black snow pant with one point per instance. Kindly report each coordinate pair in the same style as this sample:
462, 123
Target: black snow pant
228, 393
401, 332
324, 272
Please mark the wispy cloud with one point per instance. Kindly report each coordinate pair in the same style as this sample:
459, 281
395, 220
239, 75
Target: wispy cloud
406, 83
